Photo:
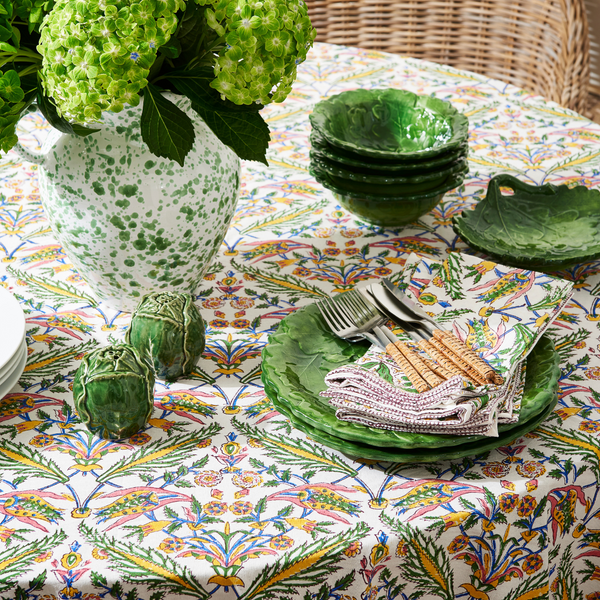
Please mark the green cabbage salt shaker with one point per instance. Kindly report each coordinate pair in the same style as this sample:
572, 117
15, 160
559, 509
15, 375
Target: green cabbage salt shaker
170, 329
113, 391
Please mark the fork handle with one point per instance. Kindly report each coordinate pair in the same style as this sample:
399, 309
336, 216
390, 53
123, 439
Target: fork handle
413, 375
472, 374
415, 360
445, 366
450, 340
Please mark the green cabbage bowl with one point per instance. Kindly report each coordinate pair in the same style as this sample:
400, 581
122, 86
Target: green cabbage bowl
386, 211
390, 124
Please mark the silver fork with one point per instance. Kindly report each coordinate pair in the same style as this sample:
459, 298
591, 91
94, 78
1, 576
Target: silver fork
350, 315
348, 323
366, 308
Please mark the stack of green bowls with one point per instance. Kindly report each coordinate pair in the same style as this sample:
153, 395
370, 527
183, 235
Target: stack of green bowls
388, 155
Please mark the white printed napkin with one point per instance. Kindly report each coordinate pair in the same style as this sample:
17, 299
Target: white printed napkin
499, 311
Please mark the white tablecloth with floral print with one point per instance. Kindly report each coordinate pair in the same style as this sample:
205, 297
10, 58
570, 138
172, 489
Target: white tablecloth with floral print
211, 501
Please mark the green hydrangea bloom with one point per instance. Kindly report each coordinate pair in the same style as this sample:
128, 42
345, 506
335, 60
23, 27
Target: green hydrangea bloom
97, 54
265, 41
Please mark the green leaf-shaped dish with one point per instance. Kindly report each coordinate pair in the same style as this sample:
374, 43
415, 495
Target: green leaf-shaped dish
320, 147
418, 455
390, 123
303, 351
543, 227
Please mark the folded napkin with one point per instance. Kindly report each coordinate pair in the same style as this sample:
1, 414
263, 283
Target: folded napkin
499, 312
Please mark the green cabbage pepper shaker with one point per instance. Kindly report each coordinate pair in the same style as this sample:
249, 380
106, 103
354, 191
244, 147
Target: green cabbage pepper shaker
170, 329
114, 391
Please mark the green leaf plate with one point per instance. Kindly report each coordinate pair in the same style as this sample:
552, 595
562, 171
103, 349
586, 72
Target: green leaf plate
303, 351
390, 123
540, 228
416, 455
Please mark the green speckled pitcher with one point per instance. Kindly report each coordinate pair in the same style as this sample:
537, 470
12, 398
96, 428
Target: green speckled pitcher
130, 222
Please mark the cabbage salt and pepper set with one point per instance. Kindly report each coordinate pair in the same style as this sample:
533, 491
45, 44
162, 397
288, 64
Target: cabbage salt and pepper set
114, 386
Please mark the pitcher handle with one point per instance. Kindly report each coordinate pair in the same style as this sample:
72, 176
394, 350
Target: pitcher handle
29, 155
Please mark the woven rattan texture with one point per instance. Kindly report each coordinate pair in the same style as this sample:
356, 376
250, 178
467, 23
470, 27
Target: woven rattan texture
539, 45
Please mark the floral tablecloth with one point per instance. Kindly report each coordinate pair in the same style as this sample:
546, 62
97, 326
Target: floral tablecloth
219, 497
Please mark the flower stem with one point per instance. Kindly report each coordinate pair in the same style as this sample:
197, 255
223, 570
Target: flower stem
28, 70
22, 54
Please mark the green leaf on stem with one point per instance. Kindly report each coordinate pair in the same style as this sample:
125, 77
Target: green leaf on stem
172, 49
5, 33
166, 129
242, 128
16, 36
6, 47
246, 133
195, 84
191, 29
29, 85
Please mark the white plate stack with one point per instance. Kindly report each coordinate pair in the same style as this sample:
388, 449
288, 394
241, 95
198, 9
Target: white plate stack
13, 349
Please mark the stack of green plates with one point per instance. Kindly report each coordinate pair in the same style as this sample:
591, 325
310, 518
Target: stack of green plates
303, 351
388, 155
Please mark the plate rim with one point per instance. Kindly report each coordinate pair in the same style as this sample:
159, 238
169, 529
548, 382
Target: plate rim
14, 377
8, 299
8, 367
437, 454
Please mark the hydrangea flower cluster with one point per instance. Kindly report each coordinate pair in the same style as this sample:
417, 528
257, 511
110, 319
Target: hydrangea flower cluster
97, 54
265, 41
76, 59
